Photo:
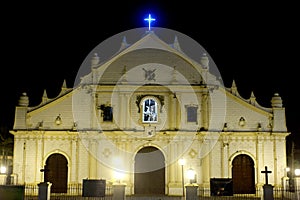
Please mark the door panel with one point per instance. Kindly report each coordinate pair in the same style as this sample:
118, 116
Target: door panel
149, 177
56, 172
243, 175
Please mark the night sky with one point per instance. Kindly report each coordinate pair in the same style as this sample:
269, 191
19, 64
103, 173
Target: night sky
255, 44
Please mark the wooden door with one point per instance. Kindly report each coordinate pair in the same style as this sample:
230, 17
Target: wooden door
149, 176
243, 175
56, 172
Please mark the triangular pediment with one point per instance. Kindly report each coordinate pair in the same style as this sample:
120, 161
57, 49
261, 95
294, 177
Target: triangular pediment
149, 49
152, 41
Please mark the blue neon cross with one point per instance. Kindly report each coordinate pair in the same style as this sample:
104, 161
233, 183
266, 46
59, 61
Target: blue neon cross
149, 19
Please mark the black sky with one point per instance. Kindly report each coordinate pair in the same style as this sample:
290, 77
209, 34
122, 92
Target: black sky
255, 44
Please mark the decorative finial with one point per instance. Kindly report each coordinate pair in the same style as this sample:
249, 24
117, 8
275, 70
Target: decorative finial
24, 100
45, 97
176, 44
63, 87
204, 61
95, 60
276, 101
149, 19
252, 98
233, 88
124, 43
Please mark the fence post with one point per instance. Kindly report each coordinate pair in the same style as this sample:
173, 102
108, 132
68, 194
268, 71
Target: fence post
118, 192
285, 186
297, 187
191, 192
3, 178
268, 192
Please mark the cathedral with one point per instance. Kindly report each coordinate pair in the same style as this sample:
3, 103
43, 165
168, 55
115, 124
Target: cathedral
145, 117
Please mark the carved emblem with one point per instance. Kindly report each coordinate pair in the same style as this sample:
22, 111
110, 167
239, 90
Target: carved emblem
149, 74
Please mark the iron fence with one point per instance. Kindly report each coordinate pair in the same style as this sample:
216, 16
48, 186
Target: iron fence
278, 194
75, 193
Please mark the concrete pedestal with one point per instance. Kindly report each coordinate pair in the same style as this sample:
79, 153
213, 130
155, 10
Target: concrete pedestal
297, 187
119, 192
3, 178
285, 183
191, 192
285, 186
13, 179
44, 190
268, 192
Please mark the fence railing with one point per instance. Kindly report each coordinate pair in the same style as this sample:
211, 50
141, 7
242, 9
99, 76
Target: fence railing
75, 192
278, 194
76, 189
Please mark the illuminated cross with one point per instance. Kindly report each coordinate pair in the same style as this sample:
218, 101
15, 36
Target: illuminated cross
266, 172
149, 19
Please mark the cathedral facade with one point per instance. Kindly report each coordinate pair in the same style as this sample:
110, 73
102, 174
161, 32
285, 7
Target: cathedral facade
133, 117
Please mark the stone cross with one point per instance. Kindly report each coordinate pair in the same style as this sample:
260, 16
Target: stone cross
266, 172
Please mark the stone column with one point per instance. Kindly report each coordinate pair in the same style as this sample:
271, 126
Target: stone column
122, 111
172, 177
172, 112
226, 158
73, 164
259, 156
44, 190
205, 170
179, 110
92, 159
204, 110
127, 112
276, 172
39, 159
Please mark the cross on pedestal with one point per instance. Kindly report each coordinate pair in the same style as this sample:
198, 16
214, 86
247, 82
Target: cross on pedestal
266, 172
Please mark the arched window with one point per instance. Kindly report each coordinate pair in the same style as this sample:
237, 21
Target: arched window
149, 111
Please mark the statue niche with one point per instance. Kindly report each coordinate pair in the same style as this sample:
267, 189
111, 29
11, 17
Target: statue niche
106, 112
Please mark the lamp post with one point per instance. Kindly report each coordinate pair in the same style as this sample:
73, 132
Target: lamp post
182, 163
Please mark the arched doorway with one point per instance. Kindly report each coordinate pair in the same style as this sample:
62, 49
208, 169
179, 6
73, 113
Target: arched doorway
243, 175
56, 172
149, 172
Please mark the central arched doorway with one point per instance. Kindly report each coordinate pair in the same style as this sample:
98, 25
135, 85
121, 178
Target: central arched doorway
243, 175
149, 172
56, 172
